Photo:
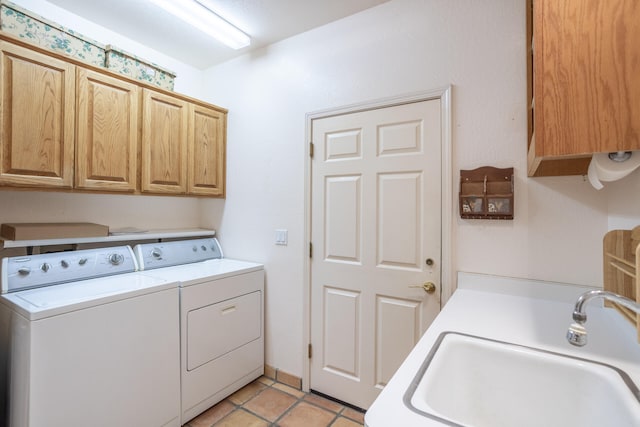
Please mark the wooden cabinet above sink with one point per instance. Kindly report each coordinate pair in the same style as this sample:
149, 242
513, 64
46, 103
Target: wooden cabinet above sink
584, 85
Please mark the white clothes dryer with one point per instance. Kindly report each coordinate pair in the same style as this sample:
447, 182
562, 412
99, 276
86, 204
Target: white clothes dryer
88, 342
221, 318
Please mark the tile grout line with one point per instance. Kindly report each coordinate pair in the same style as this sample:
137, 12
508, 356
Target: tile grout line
236, 407
241, 407
338, 414
298, 401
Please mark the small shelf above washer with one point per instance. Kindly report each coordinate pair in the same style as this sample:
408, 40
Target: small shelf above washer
115, 237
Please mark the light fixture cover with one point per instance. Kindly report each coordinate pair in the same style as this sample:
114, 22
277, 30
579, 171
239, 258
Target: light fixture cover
207, 21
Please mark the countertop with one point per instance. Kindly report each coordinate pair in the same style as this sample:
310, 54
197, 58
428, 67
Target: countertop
519, 311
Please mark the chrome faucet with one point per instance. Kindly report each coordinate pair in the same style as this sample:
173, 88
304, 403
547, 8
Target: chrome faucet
577, 333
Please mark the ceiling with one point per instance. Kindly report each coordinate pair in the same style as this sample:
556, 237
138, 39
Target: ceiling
265, 21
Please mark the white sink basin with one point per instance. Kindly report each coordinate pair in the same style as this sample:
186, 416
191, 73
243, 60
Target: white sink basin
478, 382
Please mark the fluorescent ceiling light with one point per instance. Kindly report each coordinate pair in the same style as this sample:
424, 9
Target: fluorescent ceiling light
207, 21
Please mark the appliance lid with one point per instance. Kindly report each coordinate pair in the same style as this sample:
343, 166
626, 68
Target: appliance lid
49, 301
213, 269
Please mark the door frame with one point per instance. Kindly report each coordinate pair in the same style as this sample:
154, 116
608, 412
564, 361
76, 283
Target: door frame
447, 273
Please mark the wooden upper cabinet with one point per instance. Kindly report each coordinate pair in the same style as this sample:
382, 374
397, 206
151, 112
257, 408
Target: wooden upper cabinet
164, 143
68, 125
37, 120
586, 82
107, 133
207, 130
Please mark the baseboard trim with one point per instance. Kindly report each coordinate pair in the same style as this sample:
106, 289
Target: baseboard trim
283, 377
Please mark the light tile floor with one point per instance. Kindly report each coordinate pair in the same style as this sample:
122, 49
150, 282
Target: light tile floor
265, 402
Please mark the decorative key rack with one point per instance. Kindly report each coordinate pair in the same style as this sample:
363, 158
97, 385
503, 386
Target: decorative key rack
486, 193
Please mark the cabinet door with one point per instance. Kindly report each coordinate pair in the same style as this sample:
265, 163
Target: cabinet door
37, 120
164, 143
107, 138
586, 78
207, 130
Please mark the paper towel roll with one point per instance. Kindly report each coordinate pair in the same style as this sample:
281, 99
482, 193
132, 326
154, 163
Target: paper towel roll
604, 167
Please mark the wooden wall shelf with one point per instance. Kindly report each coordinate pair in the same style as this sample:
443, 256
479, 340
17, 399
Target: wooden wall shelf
621, 259
115, 237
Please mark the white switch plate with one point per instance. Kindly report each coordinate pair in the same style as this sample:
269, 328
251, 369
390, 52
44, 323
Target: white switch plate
281, 237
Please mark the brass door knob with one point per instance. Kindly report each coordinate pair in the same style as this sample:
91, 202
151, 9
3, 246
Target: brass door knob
428, 287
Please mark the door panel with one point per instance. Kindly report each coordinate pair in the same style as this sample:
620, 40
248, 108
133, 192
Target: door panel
207, 130
343, 145
341, 331
400, 138
397, 331
342, 214
164, 143
237, 322
107, 146
376, 218
37, 151
399, 229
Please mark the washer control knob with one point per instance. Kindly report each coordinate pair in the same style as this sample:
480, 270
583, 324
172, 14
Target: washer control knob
64, 264
24, 271
116, 259
45, 267
156, 253
194, 249
83, 261
203, 247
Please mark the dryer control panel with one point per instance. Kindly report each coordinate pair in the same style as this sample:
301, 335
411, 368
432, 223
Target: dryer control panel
167, 254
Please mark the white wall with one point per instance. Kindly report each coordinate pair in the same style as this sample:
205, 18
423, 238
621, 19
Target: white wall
624, 202
113, 210
399, 47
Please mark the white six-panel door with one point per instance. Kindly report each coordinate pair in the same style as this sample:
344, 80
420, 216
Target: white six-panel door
376, 231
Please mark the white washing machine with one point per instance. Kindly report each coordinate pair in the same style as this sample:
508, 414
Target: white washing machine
86, 341
221, 318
